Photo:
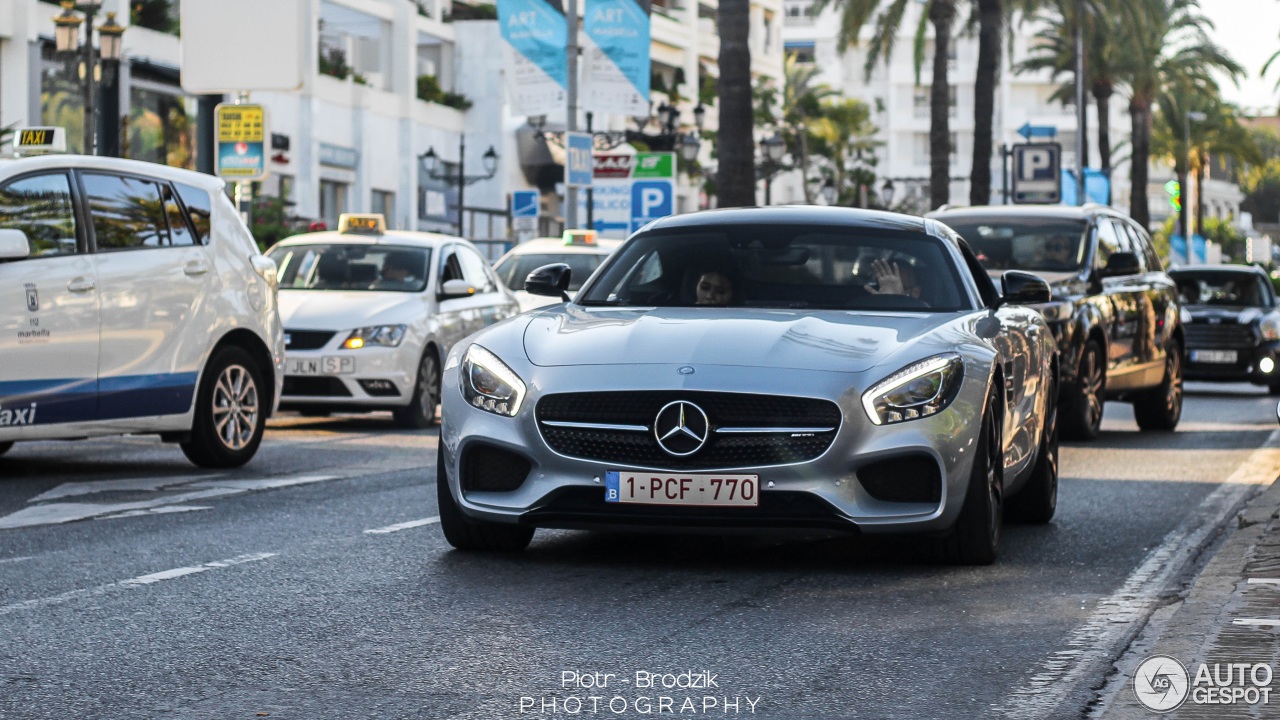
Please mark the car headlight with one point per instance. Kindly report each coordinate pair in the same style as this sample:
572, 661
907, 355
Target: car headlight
1270, 327
918, 390
378, 335
487, 383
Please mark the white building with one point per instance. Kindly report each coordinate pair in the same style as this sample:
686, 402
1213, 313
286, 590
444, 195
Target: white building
387, 81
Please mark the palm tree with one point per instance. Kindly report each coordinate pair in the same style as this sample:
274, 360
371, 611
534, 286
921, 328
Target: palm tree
736, 176
1165, 46
843, 126
991, 18
802, 102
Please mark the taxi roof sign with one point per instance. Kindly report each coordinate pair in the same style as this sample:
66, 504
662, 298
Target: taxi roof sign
362, 224
579, 237
40, 139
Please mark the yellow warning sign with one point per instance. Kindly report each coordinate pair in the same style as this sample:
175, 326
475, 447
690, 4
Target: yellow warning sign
241, 123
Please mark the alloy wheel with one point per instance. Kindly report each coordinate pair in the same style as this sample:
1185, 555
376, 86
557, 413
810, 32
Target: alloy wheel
1091, 385
235, 407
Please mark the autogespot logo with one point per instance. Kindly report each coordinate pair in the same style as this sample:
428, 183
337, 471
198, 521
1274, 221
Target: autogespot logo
681, 428
1161, 683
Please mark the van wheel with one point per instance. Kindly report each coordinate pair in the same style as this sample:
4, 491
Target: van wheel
975, 538
1161, 408
421, 411
1082, 406
466, 533
4, 447
230, 418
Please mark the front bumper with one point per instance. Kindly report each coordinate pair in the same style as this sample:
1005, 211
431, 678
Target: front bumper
379, 377
1249, 365
829, 492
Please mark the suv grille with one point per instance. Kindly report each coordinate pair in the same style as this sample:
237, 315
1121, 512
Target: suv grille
307, 339
1203, 335
745, 429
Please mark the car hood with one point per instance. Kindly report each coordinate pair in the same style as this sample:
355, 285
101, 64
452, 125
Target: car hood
1225, 313
807, 340
339, 310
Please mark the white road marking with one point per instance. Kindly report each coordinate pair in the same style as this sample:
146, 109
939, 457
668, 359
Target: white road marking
140, 581
72, 489
1113, 618
403, 526
5, 561
1255, 622
55, 513
162, 510
1264, 581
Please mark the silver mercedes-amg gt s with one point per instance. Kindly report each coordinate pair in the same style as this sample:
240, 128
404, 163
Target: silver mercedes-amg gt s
786, 367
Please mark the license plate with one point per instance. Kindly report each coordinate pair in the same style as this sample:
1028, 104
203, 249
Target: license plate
330, 365
647, 488
1213, 356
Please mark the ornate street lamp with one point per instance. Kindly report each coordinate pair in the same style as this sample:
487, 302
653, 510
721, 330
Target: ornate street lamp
431, 166
829, 192
67, 42
772, 149
886, 194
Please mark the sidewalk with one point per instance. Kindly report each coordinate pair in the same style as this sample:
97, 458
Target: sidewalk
1231, 615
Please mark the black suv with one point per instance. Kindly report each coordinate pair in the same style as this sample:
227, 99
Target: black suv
1232, 324
1115, 311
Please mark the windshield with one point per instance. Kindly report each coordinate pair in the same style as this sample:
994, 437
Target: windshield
1033, 244
1210, 288
770, 266
513, 270
334, 266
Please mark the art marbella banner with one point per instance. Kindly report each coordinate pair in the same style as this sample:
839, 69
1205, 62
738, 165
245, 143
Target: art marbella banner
616, 46
536, 33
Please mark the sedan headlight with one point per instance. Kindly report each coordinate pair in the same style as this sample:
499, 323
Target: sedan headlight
1270, 327
487, 383
377, 336
918, 390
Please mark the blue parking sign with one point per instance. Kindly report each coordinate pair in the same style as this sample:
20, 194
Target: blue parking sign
650, 200
524, 204
580, 165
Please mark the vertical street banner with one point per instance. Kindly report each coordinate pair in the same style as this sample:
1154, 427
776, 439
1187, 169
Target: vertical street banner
537, 70
616, 45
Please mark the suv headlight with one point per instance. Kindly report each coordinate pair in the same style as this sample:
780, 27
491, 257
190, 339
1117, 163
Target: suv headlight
487, 383
918, 390
378, 335
1270, 327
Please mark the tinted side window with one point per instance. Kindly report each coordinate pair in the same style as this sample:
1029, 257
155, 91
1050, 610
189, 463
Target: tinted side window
1142, 245
198, 209
41, 207
474, 270
450, 268
127, 213
1108, 242
179, 230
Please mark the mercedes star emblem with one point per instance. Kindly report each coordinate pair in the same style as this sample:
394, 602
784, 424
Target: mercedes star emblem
681, 428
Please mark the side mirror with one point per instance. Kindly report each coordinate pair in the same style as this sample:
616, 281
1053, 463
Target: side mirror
456, 289
14, 245
1122, 263
1024, 288
549, 280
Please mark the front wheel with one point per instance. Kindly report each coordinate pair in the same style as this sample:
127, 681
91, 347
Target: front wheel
1037, 502
421, 411
466, 533
1161, 408
1082, 405
230, 418
975, 538
4, 447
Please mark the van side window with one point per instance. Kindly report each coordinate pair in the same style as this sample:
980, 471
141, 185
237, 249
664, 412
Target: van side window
127, 212
40, 206
198, 209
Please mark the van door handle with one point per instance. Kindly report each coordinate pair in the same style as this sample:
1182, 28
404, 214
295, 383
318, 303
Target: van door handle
81, 284
195, 268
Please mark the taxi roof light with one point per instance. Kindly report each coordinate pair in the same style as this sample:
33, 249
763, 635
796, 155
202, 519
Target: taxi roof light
579, 237
362, 224
47, 139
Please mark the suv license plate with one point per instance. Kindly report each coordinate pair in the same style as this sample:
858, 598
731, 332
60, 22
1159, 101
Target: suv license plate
330, 365
651, 488
1213, 356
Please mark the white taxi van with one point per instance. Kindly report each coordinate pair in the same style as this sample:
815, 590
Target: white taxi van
134, 300
370, 314
582, 250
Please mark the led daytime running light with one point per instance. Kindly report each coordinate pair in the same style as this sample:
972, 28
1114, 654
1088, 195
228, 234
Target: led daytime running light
479, 358
911, 373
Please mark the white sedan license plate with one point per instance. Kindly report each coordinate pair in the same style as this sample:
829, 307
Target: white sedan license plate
651, 488
329, 365
1213, 356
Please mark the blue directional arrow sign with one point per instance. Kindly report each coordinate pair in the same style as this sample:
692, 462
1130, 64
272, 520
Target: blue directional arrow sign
524, 203
1029, 131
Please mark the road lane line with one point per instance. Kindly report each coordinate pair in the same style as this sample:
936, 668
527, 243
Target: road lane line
16, 559
1264, 581
403, 526
1114, 617
140, 581
1256, 622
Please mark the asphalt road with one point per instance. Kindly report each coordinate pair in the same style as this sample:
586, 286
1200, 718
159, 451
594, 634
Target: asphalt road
315, 584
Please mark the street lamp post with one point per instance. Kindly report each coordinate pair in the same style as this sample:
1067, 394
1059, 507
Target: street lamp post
772, 149
430, 164
886, 194
1183, 219
67, 42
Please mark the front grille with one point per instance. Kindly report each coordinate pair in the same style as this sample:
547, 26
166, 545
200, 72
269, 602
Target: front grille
740, 411
487, 468
1203, 335
307, 339
911, 478
295, 386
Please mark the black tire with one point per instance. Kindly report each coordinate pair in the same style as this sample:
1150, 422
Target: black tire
1037, 502
1161, 407
975, 538
466, 533
230, 417
420, 413
5, 447
1082, 405
1273, 388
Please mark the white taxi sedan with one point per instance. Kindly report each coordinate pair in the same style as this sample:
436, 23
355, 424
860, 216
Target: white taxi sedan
133, 300
370, 314
579, 249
